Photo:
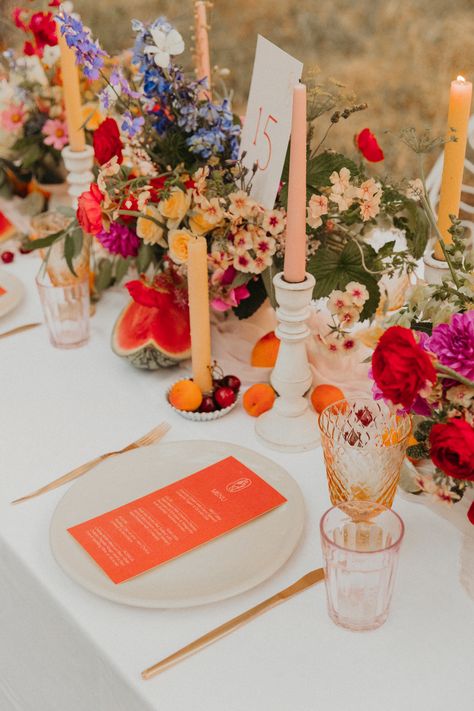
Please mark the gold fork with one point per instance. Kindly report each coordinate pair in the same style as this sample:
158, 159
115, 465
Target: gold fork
19, 329
150, 438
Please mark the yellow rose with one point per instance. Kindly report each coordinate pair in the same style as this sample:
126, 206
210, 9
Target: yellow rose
175, 206
178, 241
149, 231
199, 224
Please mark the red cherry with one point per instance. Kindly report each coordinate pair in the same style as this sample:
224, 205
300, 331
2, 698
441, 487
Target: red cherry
207, 404
224, 396
233, 382
7, 257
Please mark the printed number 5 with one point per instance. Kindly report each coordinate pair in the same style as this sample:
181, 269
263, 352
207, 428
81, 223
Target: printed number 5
267, 138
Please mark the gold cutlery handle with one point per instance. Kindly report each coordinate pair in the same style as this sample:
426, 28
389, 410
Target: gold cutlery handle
306, 581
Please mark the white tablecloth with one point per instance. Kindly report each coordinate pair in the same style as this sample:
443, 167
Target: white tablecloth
62, 649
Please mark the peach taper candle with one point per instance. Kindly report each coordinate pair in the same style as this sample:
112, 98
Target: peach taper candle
198, 289
294, 269
72, 95
454, 155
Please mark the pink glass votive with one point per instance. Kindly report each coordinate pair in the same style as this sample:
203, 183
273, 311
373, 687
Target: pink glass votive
361, 542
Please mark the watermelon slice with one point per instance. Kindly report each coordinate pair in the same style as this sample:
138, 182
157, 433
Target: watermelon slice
153, 336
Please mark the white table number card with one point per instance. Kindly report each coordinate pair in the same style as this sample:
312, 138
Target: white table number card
267, 124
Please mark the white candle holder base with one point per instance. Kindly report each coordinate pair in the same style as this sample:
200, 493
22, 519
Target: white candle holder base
290, 426
79, 166
435, 269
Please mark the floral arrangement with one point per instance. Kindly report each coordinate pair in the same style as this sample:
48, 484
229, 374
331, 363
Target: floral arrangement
33, 128
168, 170
424, 362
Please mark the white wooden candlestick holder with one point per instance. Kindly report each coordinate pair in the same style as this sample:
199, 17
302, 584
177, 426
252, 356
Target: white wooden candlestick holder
79, 167
435, 269
290, 426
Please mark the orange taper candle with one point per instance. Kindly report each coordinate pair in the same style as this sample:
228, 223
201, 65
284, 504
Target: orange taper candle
454, 155
203, 62
72, 95
198, 290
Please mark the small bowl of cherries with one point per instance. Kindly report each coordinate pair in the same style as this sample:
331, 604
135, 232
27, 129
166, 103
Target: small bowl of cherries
186, 398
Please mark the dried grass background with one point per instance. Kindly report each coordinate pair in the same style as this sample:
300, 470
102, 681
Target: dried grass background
397, 55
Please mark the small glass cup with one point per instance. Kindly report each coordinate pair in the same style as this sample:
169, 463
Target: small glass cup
361, 543
66, 310
364, 444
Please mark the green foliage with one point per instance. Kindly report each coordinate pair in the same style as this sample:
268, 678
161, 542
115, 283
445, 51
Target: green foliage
104, 277
144, 257
121, 268
334, 270
323, 165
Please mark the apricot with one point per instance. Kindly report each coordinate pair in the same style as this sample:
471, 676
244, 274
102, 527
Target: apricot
185, 395
325, 395
265, 351
258, 399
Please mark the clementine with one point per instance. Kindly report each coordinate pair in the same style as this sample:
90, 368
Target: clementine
325, 395
185, 395
258, 399
265, 351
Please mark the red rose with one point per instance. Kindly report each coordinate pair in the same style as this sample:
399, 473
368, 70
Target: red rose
43, 27
452, 448
89, 210
107, 143
368, 146
400, 367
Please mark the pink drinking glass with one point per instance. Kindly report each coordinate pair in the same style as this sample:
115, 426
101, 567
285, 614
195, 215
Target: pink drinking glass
361, 543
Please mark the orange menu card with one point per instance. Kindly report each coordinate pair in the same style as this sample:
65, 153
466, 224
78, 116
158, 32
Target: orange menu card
165, 524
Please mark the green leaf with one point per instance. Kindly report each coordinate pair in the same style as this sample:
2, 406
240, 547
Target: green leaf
121, 268
416, 226
104, 275
249, 306
44, 242
69, 252
323, 165
144, 258
267, 278
78, 240
334, 270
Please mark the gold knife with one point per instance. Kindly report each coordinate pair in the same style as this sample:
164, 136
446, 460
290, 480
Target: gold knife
311, 578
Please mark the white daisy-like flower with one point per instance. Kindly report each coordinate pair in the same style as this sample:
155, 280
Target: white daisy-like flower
167, 45
358, 293
273, 222
243, 262
242, 241
339, 300
318, 205
241, 204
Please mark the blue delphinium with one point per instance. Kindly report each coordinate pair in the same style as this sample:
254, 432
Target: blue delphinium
131, 125
89, 55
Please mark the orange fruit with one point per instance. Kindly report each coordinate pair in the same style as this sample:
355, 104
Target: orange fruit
325, 395
265, 351
185, 395
258, 399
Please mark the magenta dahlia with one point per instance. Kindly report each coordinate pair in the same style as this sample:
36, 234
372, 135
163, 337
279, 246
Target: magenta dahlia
453, 343
120, 239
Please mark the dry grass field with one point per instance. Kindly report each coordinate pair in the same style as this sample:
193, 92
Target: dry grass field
397, 55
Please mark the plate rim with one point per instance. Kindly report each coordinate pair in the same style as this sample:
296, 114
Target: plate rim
17, 298
179, 603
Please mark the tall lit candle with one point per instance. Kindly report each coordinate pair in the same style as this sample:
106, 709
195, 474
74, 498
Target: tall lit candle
295, 250
72, 96
203, 62
198, 289
454, 155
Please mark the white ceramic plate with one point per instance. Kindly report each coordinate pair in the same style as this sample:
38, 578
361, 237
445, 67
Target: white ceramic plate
227, 566
14, 292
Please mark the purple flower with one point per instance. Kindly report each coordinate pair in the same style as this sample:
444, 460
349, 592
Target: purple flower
89, 54
119, 240
132, 125
453, 343
118, 80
